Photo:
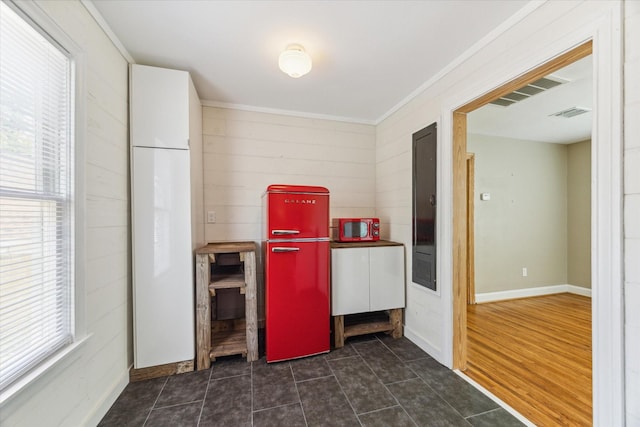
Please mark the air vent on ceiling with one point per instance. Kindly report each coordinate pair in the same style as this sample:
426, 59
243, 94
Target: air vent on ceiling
571, 112
525, 92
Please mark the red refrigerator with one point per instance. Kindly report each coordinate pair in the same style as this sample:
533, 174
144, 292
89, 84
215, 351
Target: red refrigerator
296, 271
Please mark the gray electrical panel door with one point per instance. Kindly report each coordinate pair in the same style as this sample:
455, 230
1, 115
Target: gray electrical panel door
424, 207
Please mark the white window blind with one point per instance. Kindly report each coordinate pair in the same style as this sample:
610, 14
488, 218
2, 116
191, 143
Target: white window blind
36, 211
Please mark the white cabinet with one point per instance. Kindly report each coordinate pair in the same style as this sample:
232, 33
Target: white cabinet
159, 107
166, 189
366, 278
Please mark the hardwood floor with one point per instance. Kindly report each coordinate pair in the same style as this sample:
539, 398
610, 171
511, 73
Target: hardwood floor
535, 355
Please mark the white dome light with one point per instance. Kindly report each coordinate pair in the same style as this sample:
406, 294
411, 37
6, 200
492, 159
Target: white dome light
294, 61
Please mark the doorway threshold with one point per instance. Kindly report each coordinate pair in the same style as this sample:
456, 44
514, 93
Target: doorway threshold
496, 399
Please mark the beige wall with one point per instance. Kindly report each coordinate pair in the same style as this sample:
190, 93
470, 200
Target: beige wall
244, 152
579, 214
524, 225
79, 390
539, 215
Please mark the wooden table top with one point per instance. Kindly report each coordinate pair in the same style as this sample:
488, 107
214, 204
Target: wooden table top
378, 243
226, 247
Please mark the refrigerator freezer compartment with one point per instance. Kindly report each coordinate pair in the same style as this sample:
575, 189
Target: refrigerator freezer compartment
297, 215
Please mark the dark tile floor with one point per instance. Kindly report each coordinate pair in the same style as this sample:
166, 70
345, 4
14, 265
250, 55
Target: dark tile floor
372, 381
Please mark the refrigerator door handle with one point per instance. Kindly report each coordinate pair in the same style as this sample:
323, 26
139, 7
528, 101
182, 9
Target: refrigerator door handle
284, 249
284, 232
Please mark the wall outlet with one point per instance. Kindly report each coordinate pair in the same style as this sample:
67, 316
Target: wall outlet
211, 217
524, 271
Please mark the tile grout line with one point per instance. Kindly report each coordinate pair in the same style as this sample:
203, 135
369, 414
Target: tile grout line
425, 383
342, 389
173, 405
439, 395
276, 407
403, 360
230, 376
501, 404
155, 401
383, 409
251, 389
385, 385
313, 379
204, 398
485, 412
295, 384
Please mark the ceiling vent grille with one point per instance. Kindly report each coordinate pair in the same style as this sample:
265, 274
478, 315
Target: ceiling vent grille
571, 112
527, 91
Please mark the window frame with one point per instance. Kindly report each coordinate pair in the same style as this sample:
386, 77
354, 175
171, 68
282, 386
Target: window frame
40, 21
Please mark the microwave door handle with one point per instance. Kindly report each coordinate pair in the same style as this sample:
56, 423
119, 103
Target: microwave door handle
279, 249
284, 232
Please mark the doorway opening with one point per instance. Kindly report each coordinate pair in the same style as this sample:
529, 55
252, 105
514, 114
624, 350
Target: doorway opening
463, 261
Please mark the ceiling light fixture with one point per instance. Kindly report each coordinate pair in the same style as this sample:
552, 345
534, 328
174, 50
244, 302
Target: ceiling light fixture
294, 61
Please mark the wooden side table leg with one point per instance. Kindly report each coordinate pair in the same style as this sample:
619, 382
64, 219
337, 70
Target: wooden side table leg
251, 306
395, 317
338, 331
203, 313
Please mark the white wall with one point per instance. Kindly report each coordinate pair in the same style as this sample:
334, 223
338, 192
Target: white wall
632, 210
244, 152
80, 390
197, 177
552, 27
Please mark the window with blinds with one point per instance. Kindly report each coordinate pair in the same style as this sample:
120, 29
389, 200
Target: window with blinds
36, 197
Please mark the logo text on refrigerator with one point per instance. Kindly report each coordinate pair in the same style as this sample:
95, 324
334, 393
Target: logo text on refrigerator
301, 201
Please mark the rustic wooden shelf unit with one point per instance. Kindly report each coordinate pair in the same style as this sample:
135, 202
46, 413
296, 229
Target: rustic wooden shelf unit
232, 336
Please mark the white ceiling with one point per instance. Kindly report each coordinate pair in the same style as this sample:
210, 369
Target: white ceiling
368, 56
530, 119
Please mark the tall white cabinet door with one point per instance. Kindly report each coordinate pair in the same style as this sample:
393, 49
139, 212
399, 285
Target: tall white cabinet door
386, 270
163, 290
350, 281
159, 107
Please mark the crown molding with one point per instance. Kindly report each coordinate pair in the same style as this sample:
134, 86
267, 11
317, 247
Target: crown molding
302, 114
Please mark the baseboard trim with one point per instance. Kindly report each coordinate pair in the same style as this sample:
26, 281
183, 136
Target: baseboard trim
532, 292
424, 344
142, 374
101, 409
